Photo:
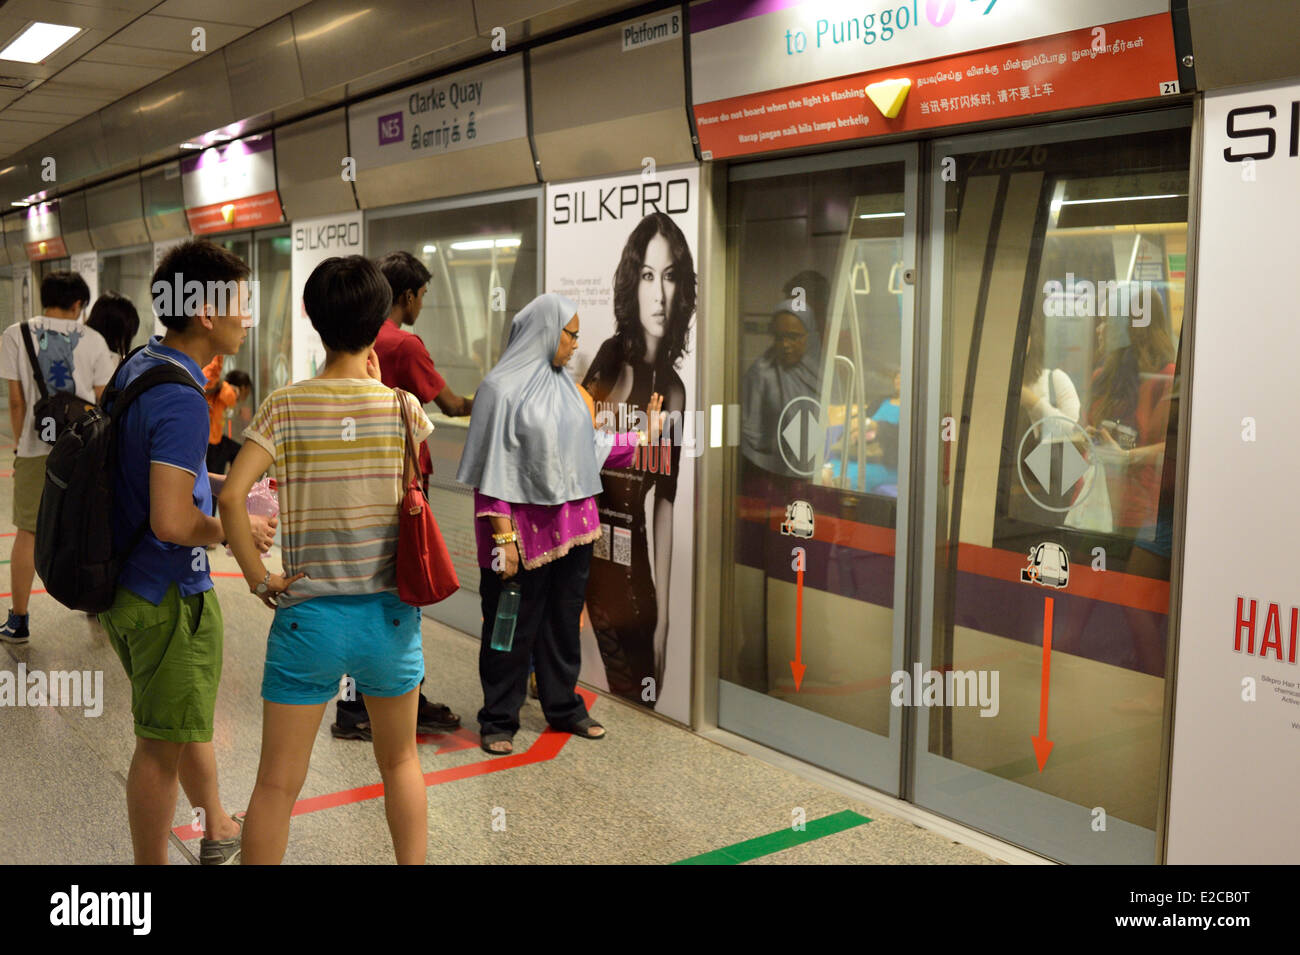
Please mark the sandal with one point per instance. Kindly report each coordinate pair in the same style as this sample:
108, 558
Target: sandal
485, 743
583, 728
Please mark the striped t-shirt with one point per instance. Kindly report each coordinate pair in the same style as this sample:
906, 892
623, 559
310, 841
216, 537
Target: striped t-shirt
338, 445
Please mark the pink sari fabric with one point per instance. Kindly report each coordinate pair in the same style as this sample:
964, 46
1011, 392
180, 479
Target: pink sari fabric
547, 531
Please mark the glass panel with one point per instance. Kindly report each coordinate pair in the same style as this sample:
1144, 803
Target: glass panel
1062, 304
822, 317
274, 319
471, 252
129, 273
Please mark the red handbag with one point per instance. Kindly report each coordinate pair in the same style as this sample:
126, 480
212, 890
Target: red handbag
425, 573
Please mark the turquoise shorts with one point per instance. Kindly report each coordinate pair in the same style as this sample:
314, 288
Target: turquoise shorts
373, 638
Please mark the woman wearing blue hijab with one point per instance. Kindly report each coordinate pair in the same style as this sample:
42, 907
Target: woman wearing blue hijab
534, 460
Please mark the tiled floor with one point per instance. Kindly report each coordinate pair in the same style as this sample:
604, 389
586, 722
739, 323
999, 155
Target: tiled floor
650, 793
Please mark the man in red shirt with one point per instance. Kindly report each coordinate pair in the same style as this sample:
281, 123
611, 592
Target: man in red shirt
404, 363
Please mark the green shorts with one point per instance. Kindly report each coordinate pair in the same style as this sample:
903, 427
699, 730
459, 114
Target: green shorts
29, 482
172, 653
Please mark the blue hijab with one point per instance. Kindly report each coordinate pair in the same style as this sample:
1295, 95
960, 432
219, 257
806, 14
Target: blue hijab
530, 439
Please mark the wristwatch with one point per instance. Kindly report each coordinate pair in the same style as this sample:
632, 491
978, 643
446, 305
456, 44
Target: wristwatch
264, 587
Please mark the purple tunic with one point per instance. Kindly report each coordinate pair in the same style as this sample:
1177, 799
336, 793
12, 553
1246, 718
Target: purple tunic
547, 531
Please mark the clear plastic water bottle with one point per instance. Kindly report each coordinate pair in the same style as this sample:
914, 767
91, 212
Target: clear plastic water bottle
503, 628
263, 499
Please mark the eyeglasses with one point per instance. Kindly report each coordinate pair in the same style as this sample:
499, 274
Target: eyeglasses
573, 335
792, 337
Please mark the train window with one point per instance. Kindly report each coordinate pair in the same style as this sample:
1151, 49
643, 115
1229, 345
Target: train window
1095, 379
819, 304
1061, 299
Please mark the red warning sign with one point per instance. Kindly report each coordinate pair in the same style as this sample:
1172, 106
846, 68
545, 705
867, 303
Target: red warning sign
1129, 60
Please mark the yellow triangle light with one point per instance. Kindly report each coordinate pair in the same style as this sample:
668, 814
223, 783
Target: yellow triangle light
888, 95
228, 212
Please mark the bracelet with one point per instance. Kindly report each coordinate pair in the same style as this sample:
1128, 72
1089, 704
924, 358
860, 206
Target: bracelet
509, 537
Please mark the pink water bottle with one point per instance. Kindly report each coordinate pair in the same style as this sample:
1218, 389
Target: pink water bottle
263, 500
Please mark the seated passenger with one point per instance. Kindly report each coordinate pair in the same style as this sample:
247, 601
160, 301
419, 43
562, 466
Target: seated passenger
338, 443
534, 462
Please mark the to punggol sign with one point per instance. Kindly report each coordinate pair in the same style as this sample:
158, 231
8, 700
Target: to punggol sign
779, 75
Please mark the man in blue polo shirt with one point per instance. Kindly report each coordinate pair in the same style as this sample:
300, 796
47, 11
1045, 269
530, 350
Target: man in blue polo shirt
165, 623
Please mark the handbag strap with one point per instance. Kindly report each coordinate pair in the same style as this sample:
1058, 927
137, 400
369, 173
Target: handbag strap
36, 365
410, 467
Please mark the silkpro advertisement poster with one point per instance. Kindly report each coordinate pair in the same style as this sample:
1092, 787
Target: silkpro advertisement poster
314, 241
624, 249
1236, 747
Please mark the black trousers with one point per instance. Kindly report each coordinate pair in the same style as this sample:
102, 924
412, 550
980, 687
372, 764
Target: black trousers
547, 631
221, 454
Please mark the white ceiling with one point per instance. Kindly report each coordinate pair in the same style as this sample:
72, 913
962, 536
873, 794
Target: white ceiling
124, 45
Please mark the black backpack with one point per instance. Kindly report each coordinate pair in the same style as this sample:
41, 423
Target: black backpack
74, 528
59, 409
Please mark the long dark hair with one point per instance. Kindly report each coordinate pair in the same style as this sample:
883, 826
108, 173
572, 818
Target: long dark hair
114, 316
628, 331
1150, 350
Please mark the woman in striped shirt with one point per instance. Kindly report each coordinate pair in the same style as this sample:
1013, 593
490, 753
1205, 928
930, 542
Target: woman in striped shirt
337, 442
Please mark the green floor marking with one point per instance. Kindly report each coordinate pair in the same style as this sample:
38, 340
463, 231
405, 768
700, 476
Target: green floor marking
776, 841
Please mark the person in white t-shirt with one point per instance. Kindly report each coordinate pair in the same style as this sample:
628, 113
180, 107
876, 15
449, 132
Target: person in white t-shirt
1047, 392
72, 358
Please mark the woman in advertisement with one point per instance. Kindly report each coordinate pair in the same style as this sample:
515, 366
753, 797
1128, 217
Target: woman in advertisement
654, 302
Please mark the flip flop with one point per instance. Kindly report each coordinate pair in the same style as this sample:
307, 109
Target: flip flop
486, 742
582, 729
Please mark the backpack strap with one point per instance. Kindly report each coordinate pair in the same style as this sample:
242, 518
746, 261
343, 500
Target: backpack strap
36, 365
122, 399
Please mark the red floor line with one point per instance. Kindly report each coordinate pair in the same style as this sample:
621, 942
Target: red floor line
545, 747
11, 594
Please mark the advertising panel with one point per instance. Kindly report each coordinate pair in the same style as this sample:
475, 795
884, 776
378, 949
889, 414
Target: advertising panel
1236, 745
231, 186
772, 105
478, 107
623, 249
314, 241
42, 234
